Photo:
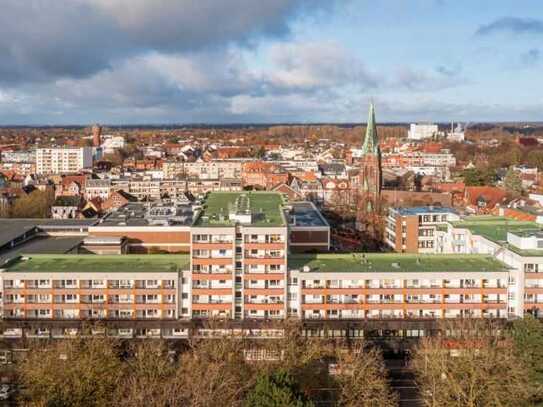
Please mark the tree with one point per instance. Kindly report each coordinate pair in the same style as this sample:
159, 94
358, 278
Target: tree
535, 158
479, 177
512, 182
527, 334
37, 204
73, 372
150, 378
213, 371
276, 389
472, 369
362, 379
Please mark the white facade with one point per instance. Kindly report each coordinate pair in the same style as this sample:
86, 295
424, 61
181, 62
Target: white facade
63, 160
422, 131
112, 143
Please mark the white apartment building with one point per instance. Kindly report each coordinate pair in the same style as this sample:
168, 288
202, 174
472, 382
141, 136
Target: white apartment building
63, 160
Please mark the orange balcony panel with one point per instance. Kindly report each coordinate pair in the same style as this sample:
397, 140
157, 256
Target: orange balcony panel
472, 291
533, 276
265, 260
533, 305
264, 307
334, 291
326, 307
212, 307
533, 290
264, 276
264, 291
212, 291
154, 306
211, 276
212, 246
476, 305
264, 246
222, 261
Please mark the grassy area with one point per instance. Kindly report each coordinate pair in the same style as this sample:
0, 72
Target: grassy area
265, 207
494, 228
89, 263
394, 262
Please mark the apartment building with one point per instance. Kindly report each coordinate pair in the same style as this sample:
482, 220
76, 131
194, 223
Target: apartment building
418, 229
63, 160
239, 244
92, 287
355, 286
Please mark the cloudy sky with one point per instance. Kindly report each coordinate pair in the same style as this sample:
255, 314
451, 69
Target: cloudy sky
235, 61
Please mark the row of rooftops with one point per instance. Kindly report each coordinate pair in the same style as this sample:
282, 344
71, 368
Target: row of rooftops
219, 209
322, 263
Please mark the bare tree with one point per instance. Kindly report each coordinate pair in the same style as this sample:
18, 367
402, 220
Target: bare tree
473, 367
362, 378
74, 372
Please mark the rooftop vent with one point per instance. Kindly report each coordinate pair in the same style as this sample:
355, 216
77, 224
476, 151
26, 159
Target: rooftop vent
396, 265
306, 269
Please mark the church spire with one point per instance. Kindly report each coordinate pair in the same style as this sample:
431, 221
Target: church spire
371, 141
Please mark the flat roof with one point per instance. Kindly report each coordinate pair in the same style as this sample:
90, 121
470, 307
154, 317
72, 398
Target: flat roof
424, 209
12, 228
43, 245
89, 263
394, 262
304, 214
495, 228
265, 208
137, 214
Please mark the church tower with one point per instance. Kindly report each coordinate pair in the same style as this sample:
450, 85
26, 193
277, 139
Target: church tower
369, 178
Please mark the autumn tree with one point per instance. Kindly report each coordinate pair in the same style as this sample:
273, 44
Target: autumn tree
535, 159
75, 372
527, 335
512, 182
214, 371
362, 378
37, 204
150, 378
471, 369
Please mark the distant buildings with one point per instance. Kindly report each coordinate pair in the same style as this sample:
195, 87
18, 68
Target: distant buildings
422, 131
63, 160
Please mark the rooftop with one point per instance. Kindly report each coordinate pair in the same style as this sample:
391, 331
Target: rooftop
128, 263
227, 208
424, 209
304, 214
495, 228
150, 214
394, 262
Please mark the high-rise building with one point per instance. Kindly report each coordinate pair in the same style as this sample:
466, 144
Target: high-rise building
370, 177
63, 160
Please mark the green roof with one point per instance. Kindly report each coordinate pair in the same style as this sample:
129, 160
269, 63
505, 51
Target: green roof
495, 228
395, 262
89, 263
265, 208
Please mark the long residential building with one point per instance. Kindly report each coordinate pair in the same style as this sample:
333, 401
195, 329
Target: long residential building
242, 264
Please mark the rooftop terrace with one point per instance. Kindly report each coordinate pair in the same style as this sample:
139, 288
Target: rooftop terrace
495, 228
260, 208
394, 262
88, 263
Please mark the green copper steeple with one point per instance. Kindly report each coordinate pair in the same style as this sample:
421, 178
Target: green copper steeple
371, 141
